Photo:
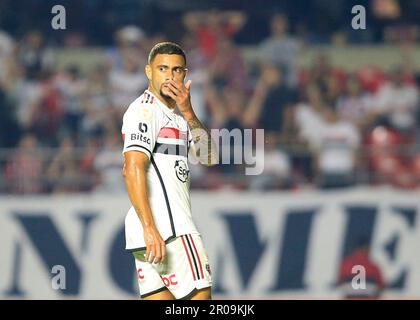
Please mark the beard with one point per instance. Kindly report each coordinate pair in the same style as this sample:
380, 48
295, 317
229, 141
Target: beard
164, 95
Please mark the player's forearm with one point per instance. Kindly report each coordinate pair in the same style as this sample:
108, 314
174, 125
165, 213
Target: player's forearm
204, 145
136, 182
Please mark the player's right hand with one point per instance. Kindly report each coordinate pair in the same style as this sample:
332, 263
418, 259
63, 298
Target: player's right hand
155, 246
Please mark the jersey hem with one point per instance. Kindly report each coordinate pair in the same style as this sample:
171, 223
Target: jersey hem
153, 292
144, 248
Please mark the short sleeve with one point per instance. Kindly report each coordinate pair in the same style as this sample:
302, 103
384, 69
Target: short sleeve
140, 129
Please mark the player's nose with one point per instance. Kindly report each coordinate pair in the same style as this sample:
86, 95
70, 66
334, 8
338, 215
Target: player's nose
173, 75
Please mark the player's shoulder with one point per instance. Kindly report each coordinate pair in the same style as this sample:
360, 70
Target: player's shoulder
144, 101
143, 107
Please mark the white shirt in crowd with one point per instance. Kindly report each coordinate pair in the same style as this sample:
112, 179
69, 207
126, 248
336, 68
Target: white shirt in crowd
108, 163
400, 103
355, 108
337, 144
309, 123
126, 86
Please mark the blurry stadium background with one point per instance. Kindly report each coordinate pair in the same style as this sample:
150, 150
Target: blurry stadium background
340, 108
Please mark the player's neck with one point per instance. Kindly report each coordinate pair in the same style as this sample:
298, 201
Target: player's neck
167, 102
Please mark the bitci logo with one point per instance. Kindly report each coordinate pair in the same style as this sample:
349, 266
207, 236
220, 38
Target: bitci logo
142, 127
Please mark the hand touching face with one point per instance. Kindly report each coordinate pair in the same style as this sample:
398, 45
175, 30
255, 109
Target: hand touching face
163, 69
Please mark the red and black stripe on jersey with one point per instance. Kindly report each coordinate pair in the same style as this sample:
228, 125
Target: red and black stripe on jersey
147, 98
172, 148
193, 257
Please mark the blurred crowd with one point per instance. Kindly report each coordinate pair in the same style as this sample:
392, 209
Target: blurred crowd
325, 127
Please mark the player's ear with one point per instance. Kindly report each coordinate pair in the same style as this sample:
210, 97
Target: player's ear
148, 71
185, 75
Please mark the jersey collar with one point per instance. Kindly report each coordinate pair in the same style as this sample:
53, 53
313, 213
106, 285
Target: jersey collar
168, 111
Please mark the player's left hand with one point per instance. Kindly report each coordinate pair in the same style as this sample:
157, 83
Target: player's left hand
180, 93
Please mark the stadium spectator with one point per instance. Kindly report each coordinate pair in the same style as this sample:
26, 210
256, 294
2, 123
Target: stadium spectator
108, 163
7, 49
72, 88
129, 40
356, 105
34, 56
63, 173
127, 83
209, 27
415, 170
329, 78
277, 167
281, 49
336, 153
97, 103
308, 115
24, 95
269, 101
303, 127
90, 176
398, 102
226, 108
198, 74
9, 128
390, 160
228, 67
333, 90
24, 168
371, 78
46, 113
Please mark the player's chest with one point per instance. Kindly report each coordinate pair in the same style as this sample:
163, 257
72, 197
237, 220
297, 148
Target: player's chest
175, 128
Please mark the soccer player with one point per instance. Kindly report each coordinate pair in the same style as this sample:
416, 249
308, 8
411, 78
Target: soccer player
170, 258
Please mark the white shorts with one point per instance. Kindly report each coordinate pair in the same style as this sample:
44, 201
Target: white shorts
185, 270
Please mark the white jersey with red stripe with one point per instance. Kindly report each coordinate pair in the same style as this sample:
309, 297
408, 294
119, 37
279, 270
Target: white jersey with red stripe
151, 127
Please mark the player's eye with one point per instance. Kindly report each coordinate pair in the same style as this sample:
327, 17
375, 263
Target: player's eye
180, 70
162, 68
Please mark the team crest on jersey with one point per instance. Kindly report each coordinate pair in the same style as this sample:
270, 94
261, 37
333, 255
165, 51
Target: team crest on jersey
181, 170
146, 113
